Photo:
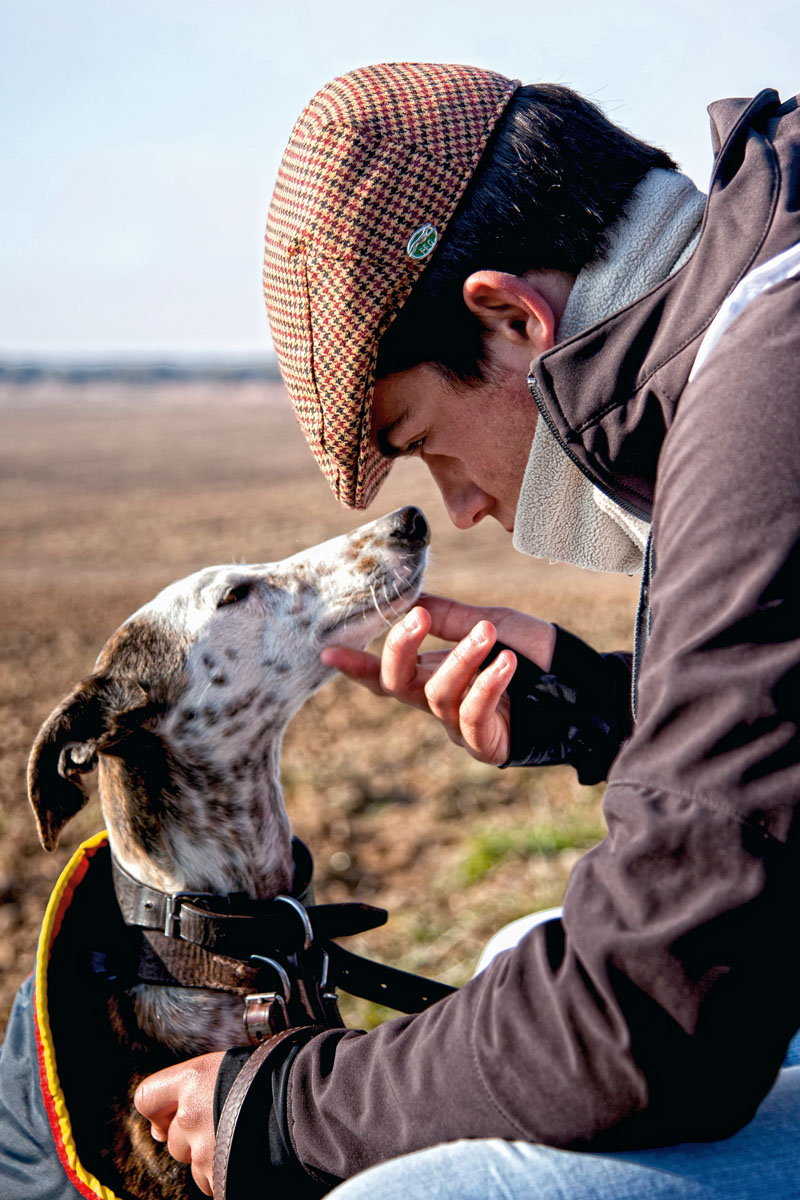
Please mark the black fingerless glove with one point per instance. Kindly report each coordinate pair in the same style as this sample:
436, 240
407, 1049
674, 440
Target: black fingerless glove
578, 712
254, 1152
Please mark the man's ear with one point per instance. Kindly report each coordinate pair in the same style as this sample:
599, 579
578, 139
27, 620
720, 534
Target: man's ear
514, 309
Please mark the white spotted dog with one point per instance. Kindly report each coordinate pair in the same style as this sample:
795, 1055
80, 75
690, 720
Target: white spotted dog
184, 716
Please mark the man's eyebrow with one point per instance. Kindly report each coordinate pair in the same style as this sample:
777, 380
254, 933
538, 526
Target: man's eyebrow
382, 436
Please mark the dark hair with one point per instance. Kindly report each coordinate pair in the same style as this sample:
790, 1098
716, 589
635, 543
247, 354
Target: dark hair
555, 175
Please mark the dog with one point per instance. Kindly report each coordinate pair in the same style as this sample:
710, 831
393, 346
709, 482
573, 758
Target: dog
183, 718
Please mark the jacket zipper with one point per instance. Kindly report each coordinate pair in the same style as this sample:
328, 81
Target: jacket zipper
642, 626
625, 505
643, 621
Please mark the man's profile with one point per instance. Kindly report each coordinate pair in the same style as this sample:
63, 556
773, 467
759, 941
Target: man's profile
576, 342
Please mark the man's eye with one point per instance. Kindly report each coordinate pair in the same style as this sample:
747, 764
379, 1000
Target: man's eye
233, 595
413, 448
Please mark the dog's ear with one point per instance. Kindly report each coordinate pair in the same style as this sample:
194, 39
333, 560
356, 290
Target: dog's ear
65, 749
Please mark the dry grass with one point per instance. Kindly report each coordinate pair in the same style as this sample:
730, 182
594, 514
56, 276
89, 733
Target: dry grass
108, 493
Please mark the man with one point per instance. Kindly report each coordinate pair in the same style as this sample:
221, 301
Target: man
498, 280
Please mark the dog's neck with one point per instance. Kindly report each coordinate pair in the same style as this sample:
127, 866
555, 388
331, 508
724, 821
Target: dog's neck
180, 821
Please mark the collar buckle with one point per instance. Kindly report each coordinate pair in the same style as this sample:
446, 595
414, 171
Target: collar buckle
172, 911
266, 1013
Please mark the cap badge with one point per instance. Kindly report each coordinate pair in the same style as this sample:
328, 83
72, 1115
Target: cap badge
422, 242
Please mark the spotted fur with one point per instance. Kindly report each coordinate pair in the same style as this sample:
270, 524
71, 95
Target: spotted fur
184, 716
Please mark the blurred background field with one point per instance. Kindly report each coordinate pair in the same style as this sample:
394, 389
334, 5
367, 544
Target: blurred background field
111, 488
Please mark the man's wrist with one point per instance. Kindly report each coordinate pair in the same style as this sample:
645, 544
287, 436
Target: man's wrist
577, 713
251, 1123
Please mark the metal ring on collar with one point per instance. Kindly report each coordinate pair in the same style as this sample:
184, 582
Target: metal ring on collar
308, 932
283, 978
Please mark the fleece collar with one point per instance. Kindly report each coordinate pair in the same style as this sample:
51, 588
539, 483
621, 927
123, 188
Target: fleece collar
561, 515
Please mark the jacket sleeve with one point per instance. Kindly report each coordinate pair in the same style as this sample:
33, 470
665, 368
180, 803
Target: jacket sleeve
659, 1009
578, 712
250, 1122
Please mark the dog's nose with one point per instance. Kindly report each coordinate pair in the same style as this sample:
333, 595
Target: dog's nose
410, 527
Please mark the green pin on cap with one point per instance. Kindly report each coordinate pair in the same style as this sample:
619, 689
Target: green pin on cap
422, 242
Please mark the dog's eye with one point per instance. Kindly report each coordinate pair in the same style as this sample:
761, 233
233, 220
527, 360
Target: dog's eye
233, 595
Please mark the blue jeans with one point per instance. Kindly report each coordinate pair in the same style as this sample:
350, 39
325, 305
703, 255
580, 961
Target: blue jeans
760, 1162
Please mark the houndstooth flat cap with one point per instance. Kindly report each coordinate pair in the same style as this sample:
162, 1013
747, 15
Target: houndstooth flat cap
373, 172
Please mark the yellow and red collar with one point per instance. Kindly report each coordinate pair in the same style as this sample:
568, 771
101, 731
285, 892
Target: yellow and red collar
55, 1105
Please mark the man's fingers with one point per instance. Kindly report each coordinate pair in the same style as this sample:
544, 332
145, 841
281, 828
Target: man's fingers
157, 1096
178, 1145
399, 665
180, 1096
531, 636
357, 665
450, 619
445, 689
179, 1104
202, 1180
449, 683
430, 660
484, 731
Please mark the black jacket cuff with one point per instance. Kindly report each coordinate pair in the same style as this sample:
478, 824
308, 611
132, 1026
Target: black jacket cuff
261, 1149
578, 712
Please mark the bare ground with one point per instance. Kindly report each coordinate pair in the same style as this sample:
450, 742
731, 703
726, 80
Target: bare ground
110, 492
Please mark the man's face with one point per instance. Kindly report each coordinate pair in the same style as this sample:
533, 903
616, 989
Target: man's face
474, 440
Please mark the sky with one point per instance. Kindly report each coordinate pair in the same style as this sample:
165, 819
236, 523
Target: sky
140, 141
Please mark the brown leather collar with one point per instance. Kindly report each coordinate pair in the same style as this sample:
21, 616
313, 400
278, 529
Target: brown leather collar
276, 954
238, 927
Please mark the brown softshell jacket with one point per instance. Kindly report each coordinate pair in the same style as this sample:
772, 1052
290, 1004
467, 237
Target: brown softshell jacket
660, 1009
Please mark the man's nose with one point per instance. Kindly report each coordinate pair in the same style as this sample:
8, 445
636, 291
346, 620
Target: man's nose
466, 503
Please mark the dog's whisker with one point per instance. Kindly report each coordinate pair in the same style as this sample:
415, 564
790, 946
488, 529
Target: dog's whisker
378, 609
396, 612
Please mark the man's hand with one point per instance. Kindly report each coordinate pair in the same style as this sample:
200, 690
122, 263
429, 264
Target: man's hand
179, 1104
471, 703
